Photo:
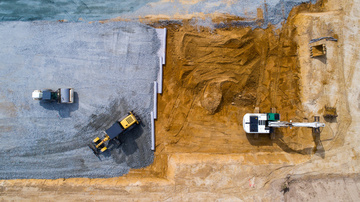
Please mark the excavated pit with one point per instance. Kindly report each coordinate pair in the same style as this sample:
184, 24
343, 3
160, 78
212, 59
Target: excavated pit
213, 77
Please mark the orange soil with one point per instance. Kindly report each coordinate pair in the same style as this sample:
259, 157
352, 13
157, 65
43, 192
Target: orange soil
212, 77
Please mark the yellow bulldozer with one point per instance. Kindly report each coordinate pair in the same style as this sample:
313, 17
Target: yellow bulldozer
124, 124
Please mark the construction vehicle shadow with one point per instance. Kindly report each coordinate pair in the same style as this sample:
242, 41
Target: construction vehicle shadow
321, 59
330, 114
261, 140
330, 119
264, 140
63, 109
285, 147
128, 145
319, 148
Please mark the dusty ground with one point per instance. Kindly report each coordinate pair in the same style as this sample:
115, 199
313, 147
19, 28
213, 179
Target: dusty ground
212, 77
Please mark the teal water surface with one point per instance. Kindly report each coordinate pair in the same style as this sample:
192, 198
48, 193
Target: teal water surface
71, 10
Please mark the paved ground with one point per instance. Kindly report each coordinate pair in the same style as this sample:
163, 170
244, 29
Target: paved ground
111, 67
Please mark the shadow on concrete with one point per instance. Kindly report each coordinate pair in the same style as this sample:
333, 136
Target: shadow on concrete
63, 109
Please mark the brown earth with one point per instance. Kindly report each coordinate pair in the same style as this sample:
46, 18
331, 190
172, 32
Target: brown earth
212, 77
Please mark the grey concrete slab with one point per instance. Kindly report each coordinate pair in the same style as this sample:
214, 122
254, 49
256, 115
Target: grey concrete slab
111, 68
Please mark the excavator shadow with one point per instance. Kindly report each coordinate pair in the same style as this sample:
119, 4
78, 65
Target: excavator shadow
305, 151
265, 140
259, 139
321, 59
285, 147
319, 148
330, 119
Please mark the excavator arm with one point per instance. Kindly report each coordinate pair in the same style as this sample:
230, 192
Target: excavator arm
279, 124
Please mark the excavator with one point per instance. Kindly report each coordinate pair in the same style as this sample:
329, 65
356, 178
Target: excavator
266, 122
124, 124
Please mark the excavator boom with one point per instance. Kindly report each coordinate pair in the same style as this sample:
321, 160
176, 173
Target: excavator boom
278, 124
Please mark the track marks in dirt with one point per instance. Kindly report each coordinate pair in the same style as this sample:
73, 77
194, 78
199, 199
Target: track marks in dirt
213, 77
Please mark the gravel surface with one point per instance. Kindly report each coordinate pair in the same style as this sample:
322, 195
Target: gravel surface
111, 68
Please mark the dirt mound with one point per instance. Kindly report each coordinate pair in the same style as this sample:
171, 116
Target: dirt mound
211, 97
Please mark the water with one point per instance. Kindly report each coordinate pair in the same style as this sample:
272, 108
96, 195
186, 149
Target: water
93, 10
71, 10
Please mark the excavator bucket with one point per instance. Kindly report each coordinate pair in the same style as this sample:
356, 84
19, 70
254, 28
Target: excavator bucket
317, 50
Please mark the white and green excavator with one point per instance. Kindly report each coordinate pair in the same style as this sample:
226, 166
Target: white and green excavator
266, 122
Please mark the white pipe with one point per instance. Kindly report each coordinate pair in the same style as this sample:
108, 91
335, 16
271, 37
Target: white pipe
152, 132
155, 99
160, 76
164, 46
